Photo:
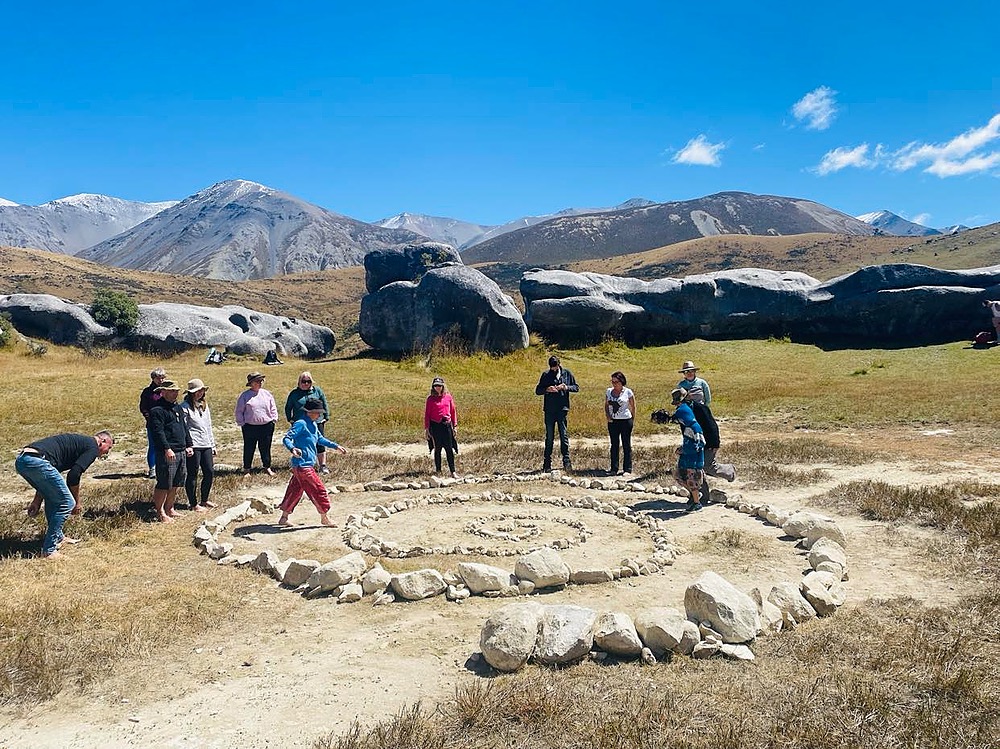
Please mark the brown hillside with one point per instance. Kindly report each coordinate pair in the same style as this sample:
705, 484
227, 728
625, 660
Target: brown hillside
330, 298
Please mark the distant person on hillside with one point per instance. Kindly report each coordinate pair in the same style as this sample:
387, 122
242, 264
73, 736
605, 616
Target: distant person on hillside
295, 410
555, 385
198, 417
619, 407
172, 440
700, 398
994, 308
441, 424
302, 440
271, 357
215, 356
256, 414
147, 398
41, 464
690, 471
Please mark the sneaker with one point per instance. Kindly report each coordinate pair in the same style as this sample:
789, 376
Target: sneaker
324, 470
693, 507
151, 473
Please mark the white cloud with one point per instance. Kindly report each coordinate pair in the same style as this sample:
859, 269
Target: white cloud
816, 109
923, 219
967, 153
700, 152
843, 157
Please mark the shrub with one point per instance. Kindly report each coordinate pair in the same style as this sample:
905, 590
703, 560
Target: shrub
115, 309
6, 330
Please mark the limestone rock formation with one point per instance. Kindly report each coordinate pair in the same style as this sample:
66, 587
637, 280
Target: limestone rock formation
49, 317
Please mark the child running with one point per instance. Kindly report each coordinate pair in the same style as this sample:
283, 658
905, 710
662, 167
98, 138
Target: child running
302, 440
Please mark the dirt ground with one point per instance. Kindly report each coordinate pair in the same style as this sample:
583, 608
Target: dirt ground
303, 668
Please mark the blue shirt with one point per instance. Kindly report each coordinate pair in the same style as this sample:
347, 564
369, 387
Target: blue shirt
305, 436
692, 453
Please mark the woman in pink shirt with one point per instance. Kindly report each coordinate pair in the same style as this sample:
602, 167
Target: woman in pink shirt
256, 413
441, 425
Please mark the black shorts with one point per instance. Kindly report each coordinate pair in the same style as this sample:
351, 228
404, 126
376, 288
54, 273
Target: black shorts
171, 474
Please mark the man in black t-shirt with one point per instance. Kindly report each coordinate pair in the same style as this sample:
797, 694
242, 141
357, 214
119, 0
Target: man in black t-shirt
41, 464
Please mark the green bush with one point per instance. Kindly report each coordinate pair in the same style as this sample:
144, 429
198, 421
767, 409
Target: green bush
6, 330
115, 309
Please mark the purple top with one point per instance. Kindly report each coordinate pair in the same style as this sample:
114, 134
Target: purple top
256, 408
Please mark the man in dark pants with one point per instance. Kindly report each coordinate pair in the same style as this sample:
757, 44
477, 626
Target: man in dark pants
173, 444
41, 464
555, 385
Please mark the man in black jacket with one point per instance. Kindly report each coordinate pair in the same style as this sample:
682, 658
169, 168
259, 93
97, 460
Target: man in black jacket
172, 442
41, 464
555, 385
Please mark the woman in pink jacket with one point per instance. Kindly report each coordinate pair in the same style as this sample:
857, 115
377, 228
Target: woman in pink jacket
441, 424
256, 414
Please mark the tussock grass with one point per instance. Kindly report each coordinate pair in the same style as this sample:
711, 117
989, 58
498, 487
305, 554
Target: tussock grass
735, 545
884, 675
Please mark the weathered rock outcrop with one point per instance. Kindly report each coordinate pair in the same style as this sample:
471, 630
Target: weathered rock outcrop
440, 298
167, 327
894, 304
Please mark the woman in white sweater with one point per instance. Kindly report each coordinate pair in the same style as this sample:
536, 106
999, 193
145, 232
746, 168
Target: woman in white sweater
199, 423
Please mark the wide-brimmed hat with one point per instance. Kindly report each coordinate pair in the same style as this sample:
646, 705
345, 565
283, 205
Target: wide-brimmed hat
313, 404
254, 376
677, 395
687, 367
167, 385
195, 385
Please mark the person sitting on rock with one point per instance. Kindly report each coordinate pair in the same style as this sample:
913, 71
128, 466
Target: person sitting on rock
301, 440
690, 471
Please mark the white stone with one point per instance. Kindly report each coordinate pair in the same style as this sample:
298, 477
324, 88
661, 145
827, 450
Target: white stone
799, 523
771, 619
615, 633
727, 609
705, 649
298, 572
588, 577
202, 536
339, 572
265, 562
351, 593
824, 592
567, 634
827, 550
509, 636
413, 586
457, 592
217, 551
739, 652
479, 578
664, 629
375, 580
794, 608
544, 567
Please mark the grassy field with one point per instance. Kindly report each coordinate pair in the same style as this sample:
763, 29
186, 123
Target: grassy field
886, 674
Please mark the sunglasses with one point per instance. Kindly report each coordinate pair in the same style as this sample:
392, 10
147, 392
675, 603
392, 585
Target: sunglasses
306, 382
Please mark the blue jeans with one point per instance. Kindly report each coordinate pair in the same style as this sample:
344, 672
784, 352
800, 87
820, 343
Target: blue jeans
48, 482
551, 421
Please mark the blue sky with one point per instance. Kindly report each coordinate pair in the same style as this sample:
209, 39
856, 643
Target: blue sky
490, 113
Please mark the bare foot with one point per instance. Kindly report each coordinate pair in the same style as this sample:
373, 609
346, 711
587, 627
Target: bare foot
269, 472
171, 513
164, 518
284, 521
200, 508
207, 504
67, 540
34, 508
327, 522
52, 555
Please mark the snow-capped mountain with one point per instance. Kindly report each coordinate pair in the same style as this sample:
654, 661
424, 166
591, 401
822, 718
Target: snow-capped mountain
889, 223
526, 221
955, 229
238, 230
70, 224
5, 202
594, 235
448, 230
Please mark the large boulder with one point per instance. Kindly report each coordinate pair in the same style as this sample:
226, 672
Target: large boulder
615, 633
664, 629
339, 572
54, 319
728, 610
480, 578
409, 263
509, 636
567, 634
879, 304
166, 327
452, 301
413, 586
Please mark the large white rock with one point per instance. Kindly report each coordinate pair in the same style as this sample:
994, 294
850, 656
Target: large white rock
615, 633
480, 578
664, 629
729, 611
298, 571
418, 584
794, 608
771, 618
544, 567
351, 593
827, 550
591, 576
567, 634
509, 635
338, 572
375, 580
800, 524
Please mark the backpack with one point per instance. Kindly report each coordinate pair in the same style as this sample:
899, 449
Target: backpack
983, 338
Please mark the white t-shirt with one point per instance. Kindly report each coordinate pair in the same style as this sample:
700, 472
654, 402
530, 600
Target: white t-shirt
619, 404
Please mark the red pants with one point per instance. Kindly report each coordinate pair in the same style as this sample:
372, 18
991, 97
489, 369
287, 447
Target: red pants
305, 480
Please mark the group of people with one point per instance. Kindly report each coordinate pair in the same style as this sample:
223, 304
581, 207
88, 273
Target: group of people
182, 445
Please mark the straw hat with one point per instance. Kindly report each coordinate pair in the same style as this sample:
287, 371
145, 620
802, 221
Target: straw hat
195, 385
687, 366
